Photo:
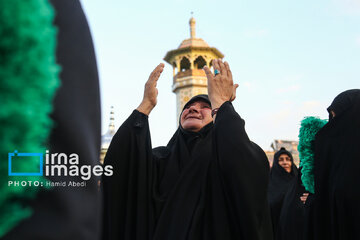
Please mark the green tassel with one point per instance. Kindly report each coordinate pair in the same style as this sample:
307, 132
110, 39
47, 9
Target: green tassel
28, 82
309, 127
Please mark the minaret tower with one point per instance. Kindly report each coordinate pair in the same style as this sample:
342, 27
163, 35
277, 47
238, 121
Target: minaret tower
106, 138
187, 61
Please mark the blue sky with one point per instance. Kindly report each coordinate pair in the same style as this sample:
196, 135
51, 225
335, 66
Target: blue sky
290, 58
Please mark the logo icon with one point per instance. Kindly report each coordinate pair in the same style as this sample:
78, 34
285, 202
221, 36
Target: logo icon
16, 158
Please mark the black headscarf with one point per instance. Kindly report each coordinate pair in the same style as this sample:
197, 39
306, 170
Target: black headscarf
190, 137
179, 149
343, 102
280, 180
198, 98
336, 171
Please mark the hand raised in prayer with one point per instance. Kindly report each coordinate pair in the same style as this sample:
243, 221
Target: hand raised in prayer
151, 92
304, 197
221, 87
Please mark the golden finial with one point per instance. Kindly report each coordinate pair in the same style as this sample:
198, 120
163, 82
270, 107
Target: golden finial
192, 26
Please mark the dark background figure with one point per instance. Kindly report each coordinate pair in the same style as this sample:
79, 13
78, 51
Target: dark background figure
71, 212
282, 173
293, 212
336, 208
210, 181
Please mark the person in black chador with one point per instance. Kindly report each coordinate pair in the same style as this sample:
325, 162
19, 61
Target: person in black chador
292, 217
67, 212
336, 209
282, 173
209, 182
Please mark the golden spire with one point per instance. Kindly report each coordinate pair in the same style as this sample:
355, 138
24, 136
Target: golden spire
192, 26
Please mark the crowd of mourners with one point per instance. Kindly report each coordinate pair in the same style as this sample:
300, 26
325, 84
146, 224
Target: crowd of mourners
210, 182
330, 211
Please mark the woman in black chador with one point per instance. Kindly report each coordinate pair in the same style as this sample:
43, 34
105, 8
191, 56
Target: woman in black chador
292, 217
282, 174
336, 205
209, 182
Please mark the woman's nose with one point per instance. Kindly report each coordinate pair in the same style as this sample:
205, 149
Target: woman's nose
193, 109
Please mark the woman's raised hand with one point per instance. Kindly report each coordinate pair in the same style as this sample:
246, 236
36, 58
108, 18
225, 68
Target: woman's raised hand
221, 87
151, 92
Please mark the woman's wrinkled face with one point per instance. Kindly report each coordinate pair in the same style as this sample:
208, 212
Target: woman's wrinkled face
285, 162
195, 116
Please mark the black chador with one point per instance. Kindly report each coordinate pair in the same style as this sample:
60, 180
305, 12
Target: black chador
67, 212
211, 184
336, 206
280, 181
292, 218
